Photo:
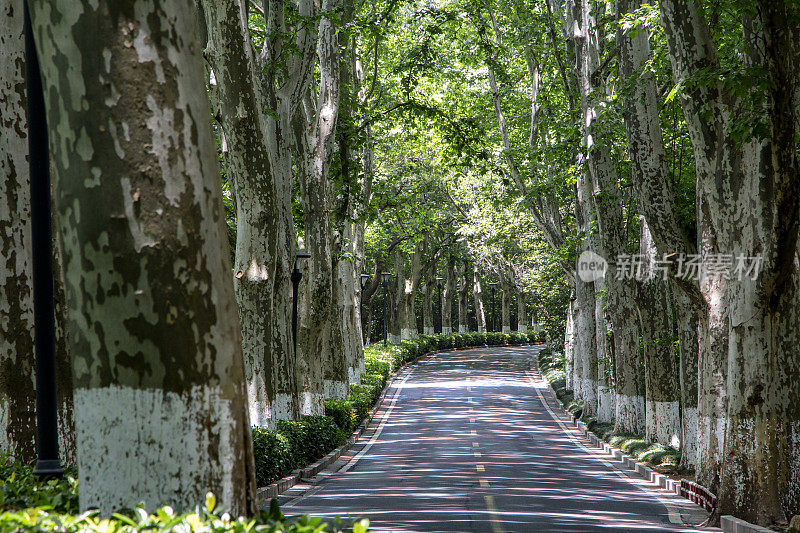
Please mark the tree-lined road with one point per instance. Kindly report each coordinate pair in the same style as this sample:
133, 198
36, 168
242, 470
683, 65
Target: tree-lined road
468, 445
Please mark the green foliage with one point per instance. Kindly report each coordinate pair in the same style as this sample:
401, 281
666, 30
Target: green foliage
293, 444
273, 454
343, 414
20, 489
167, 520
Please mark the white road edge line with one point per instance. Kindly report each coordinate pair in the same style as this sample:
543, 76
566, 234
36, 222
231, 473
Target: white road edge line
673, 512
359, 455
378, 432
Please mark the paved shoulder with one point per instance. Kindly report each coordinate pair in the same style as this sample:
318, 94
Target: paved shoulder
465, 443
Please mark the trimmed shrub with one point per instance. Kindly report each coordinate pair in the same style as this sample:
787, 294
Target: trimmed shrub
273, 455
343, 414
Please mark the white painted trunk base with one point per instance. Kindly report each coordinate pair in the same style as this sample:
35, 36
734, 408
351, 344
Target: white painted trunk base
710, 438
407, 334
281, 409
152, 446
312, 404
335, 389
259, 412
506, 329
393, 339
447, 330
606, 404
480, 329
630, 415
428, 331
354, 373
689, 436
589, 393
463, 328
522, 328
663, 423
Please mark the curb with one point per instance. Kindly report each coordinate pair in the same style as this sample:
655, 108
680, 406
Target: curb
275, 489
736, 525
684, 488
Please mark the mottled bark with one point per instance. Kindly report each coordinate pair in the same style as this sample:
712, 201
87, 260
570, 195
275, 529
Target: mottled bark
66, 415
687, 316
17, 386
605, 355
428, 295
522, 312
748, 205
448, 291
395, 306
662, 407
656, 202
569, 342
408, 323
321, 356
463, 296
256, 162
154, 335
477, 295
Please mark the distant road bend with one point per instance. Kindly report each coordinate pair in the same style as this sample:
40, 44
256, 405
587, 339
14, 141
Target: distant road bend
466, 442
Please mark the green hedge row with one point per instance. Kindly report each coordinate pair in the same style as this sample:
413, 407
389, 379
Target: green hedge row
29, 504
296, 444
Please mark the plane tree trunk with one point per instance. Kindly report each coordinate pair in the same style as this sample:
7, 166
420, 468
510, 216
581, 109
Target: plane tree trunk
141, 223
17, 383
748, 197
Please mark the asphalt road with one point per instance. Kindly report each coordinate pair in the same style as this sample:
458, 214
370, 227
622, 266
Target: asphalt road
465, 443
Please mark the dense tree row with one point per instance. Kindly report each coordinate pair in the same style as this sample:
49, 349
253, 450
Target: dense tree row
662, 139
452, 145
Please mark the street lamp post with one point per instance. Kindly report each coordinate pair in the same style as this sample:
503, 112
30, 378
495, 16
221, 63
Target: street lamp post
493, 286
361, 304
296, 277
385, 276
441, 317
48, 465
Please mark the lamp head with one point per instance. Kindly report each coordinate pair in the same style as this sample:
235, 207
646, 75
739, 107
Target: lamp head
439, 279
364, 276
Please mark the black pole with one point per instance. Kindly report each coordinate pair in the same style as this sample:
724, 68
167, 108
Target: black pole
441, 318
47, 462
296, 277
384, 311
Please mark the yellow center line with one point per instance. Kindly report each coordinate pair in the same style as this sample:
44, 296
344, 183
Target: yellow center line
471, 420
493, 518
471, 410
480, 468
484, 484
475, 445
474, 432
476, 454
